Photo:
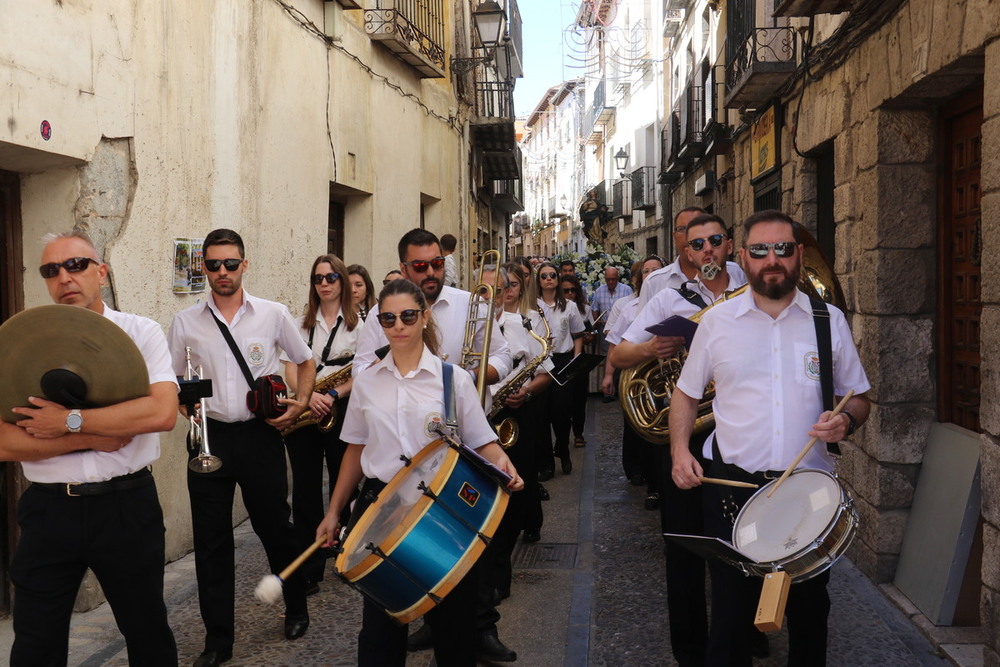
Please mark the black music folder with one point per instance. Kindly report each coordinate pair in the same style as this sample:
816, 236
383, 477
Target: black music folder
578, 366
712, 547
675, 325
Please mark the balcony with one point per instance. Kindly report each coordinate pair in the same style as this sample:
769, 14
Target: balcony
500, 163
692, 120
621, 199
510, 54
644, 189
760, 66
508, 195
492, 129
812, 7
671, 168
599, 115
413, 30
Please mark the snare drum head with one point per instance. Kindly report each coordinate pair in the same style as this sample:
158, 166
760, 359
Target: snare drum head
771, 529
388, 514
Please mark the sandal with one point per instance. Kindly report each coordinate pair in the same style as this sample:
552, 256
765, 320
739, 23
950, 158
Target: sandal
579, 442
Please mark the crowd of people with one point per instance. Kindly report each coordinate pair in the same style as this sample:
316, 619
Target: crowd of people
372, 374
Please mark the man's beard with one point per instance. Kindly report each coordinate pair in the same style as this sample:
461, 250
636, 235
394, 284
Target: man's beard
435, 293
231, 288
774, 290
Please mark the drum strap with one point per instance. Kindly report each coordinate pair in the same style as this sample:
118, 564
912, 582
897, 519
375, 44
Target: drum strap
450, 409
821, 318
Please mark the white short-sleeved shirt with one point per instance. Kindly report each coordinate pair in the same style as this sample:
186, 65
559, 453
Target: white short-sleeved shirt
523, 347
343, 346
766, 373
670, 302
609, 321
672, 276
94, 466
564, 323
622, 319
262, 329
392, 415
450, 312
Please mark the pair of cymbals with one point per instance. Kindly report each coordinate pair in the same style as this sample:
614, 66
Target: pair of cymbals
69, 355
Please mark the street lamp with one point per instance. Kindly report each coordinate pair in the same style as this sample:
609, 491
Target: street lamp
490, 23
621, 163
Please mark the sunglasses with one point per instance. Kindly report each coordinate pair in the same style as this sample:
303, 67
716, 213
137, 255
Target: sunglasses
781, 249
546, 276
318, 278
569, 290
420, 265
715, 239
409, 316
214, 265
73, 265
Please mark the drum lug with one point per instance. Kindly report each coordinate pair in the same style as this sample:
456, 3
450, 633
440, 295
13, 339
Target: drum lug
426, 490
406, 460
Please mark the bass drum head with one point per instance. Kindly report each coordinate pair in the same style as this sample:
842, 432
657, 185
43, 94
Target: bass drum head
800, 511
389, 513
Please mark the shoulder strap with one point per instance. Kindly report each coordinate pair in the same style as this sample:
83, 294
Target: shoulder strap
329, 343
821, 318
232, 346
690, 295
449, 395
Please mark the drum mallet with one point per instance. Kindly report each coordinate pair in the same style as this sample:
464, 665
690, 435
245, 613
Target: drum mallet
269, 588
805, 450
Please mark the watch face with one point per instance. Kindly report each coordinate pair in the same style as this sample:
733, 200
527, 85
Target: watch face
74, 421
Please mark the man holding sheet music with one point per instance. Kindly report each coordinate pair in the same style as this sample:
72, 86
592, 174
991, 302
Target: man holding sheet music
764, 353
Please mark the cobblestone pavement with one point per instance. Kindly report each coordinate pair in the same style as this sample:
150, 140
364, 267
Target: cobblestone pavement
591, 592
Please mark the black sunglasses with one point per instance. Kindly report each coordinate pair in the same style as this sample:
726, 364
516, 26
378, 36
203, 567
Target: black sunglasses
715, 239
213, 265
569, 290
409, 316
318, 278
420, 265
73, 265
544, 276
781, 249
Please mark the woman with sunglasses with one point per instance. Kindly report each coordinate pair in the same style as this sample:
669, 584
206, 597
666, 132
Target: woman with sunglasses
330, 326
362, 289
394, 404
567, 342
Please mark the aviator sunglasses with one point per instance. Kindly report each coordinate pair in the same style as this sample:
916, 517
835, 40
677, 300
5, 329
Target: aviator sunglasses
420, 265
409, 316
73, 265
547, 276
715, 239
318, 278
781, 249
213, 265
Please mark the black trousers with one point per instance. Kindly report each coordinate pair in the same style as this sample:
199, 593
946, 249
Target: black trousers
578, 405
535, 426
559, 400
253, 456
681, 512
382, 640
309, 449
118, 535
735, 596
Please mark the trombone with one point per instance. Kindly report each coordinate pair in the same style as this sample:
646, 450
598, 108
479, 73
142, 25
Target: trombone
470, 358
194, 390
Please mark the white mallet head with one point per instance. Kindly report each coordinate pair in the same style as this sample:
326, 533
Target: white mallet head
268, 590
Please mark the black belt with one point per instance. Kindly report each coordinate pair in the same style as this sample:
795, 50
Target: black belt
733, 472
131, 481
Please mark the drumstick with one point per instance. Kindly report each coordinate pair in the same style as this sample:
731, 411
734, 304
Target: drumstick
269, 588
805, 450
728, 482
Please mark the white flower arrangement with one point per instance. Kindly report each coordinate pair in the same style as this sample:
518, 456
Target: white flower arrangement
590, 267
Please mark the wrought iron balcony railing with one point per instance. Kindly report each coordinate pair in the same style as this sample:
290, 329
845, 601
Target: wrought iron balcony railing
414, 30
644, 188
508, 195
621, 200
760, 65
692, 119
495, 99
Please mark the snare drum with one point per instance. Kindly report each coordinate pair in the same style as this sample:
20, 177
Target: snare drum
427, 528
802, 529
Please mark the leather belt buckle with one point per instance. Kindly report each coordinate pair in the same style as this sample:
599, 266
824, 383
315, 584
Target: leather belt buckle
69, 489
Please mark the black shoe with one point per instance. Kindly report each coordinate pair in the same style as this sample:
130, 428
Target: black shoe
491, 649
296, 625
545, 475
567, 464
421, 640
312, 587
652, 501
759, 646
543, 493
531, 536
213, 658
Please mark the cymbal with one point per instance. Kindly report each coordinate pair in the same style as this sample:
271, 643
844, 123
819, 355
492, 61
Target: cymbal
85, 359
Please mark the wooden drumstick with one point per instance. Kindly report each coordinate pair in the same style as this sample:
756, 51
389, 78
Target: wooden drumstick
805, 450
269, 587
728, 482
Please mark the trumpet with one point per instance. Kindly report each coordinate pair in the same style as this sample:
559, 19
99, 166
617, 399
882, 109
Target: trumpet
198, 431
331, 381
469, 356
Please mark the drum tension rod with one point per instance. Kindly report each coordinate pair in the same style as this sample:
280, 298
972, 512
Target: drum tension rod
385, 557
433, 496
406, 460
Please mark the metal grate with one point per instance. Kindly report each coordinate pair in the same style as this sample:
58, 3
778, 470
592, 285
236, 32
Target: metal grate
544, 556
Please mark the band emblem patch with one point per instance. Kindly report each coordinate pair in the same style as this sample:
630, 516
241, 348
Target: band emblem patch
431, 421
468, 494
255, 353
811, 362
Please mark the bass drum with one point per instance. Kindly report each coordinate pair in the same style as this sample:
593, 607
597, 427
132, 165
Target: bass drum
425, 531
803, 529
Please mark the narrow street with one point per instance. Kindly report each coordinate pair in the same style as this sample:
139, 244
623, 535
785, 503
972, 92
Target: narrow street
590, 592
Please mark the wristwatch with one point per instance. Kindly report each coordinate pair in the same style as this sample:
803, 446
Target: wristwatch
74, 421
853, 422
333, 393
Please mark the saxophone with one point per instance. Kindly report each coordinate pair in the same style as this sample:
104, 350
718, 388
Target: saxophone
507, 430
331, 381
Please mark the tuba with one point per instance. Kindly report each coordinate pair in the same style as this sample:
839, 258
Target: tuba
644, 388
470, 358
331, 381
507, 430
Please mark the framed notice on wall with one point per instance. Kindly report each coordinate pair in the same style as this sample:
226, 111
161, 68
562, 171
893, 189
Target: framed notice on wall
189, 271
764, 145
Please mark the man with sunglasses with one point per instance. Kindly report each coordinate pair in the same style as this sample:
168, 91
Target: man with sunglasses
92, 502
251, 449
762, 350
421, 262
707, 245
682, 269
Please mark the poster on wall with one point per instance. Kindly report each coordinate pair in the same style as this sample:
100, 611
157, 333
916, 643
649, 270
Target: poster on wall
189, 274
764, 145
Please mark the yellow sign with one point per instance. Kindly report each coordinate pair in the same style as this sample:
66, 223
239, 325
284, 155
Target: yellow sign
764, 145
